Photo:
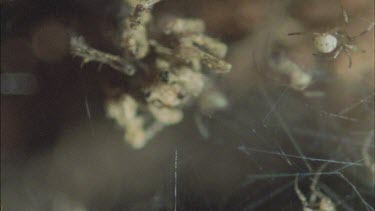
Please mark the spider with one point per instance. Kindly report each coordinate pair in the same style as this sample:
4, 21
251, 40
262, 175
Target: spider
336, 40
317, 201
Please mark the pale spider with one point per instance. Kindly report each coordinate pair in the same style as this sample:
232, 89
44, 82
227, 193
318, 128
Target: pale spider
317, 201
331, 43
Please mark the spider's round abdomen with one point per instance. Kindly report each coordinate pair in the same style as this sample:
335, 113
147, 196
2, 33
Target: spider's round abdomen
325, 43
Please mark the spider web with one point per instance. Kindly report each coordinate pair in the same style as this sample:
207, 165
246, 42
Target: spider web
297, 145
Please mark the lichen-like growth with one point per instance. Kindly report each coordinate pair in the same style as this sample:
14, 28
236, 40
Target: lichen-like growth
172, 58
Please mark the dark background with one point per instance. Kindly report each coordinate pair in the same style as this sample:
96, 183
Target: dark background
57, 156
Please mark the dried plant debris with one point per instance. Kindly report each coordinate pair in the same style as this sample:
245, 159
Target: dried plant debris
80, 48
288, 72
171, 60
134, 35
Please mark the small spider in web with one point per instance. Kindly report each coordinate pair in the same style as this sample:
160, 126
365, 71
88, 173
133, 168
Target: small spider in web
317, 201
331, 43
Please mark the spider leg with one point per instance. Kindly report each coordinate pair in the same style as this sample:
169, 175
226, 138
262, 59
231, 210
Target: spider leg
338, 51
349, 57
296, 33
365, 31
319, 55
354, 48
344, 14
299, 193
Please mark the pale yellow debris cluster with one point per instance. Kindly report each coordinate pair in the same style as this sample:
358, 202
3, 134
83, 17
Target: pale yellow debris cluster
173, 64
